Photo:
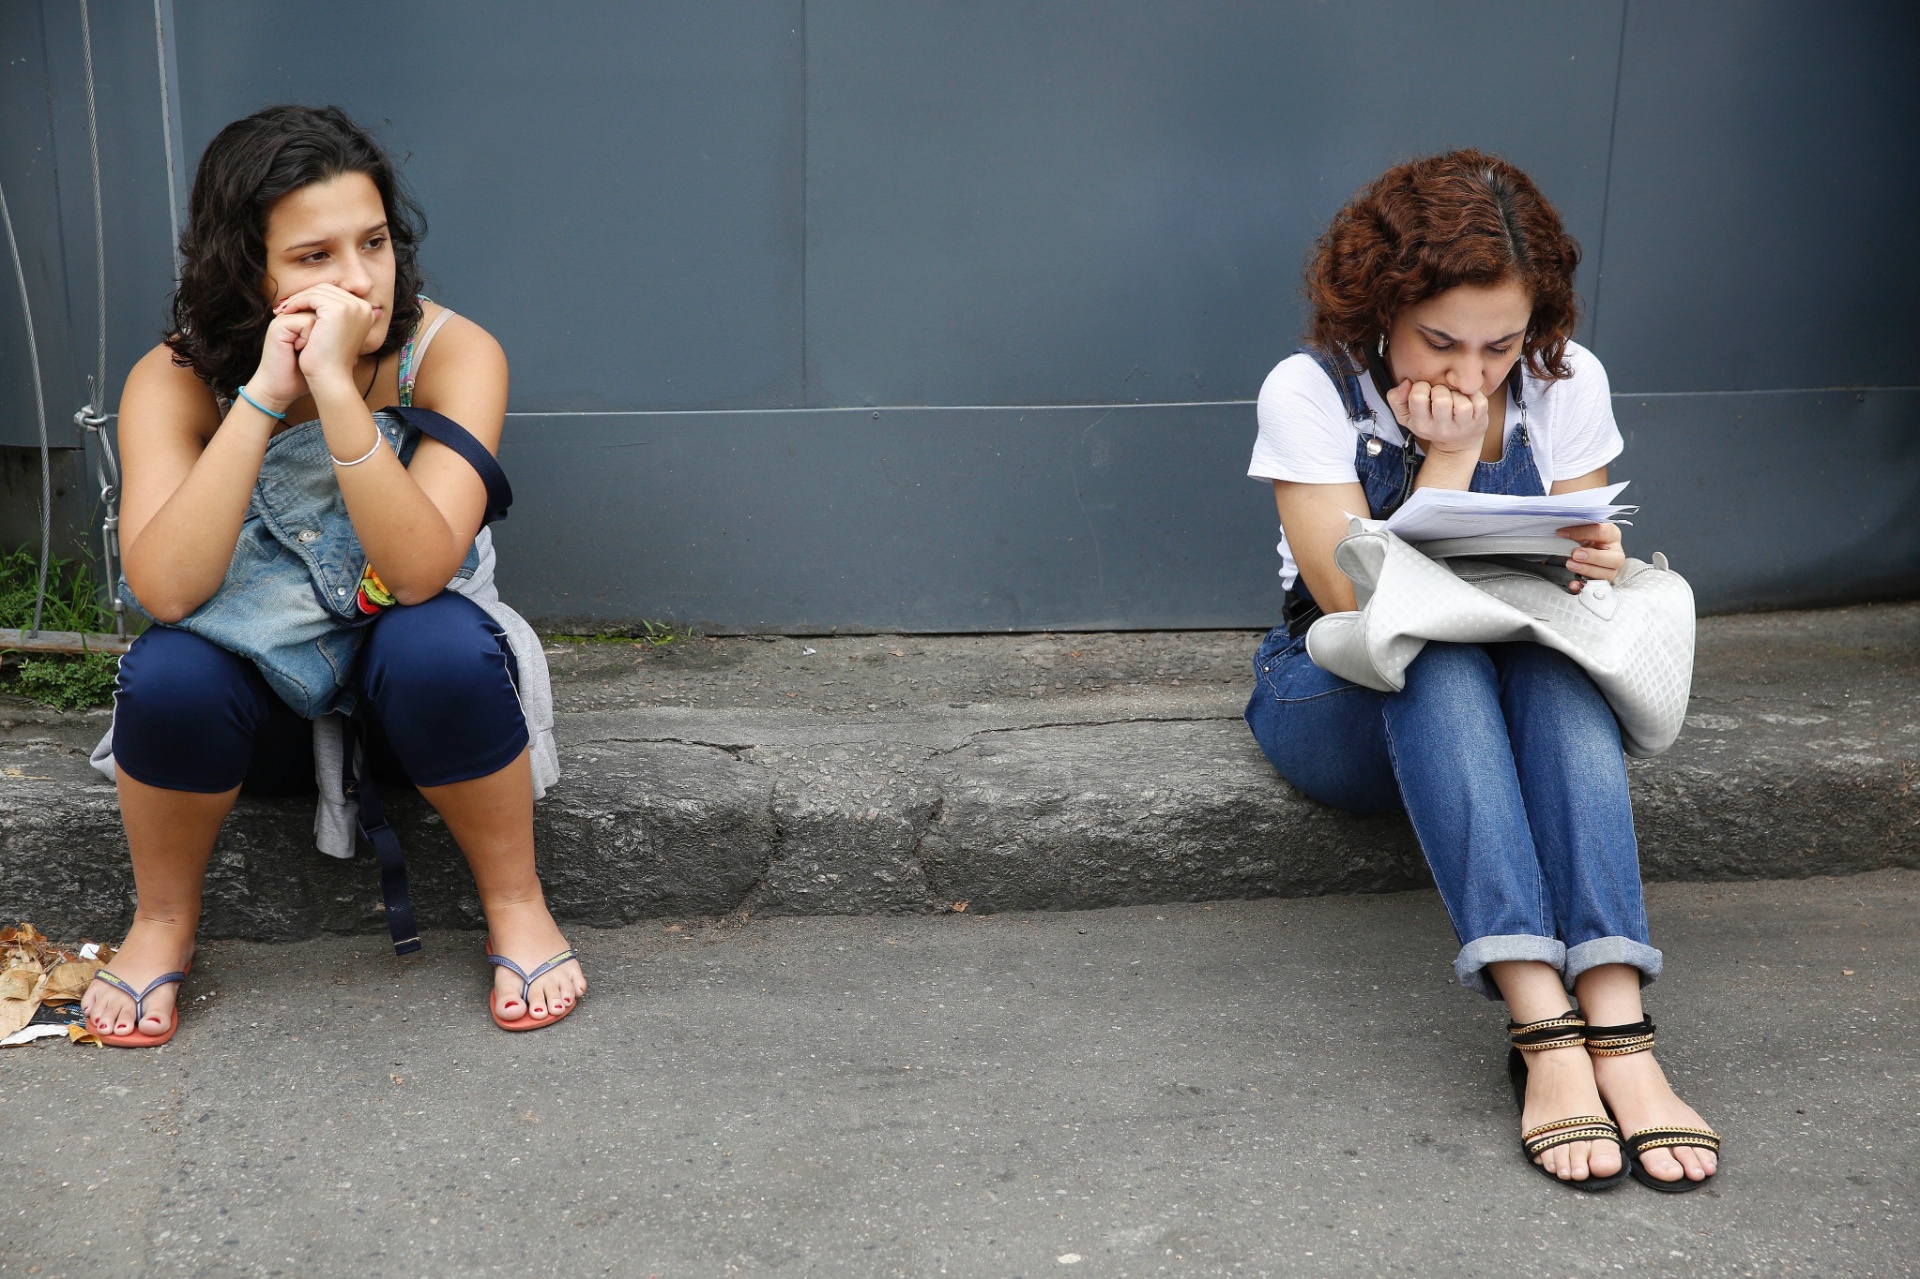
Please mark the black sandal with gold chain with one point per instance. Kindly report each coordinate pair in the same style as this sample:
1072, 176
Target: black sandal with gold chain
1565, 1031
1622, 1041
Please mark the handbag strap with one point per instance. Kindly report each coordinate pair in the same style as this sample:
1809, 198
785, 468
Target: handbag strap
440, 427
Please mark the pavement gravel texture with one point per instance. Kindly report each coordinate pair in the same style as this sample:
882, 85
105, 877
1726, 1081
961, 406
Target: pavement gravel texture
902, 774
1280, 1087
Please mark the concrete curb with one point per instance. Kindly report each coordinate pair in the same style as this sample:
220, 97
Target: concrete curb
1803, 758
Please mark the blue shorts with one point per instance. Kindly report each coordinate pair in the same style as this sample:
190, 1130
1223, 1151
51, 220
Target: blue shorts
439, 677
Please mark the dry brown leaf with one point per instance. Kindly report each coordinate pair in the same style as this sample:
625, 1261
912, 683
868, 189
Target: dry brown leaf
18, 981
15, 1013
82, 1035
24, 944
959, 906
22, 934
70, 980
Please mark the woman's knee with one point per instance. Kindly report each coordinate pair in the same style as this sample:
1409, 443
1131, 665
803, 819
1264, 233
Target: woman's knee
1547, 688
174, 681
1540, 664
186, 712
1456, 682
1442, 666
441, 679
440, 652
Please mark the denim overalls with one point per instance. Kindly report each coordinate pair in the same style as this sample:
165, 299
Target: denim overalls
1387, 474
1505, 756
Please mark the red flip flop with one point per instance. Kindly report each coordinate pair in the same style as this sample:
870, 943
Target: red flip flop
527, 1021
139, 1039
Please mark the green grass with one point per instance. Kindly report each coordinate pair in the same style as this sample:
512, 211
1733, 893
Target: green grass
655, 634
73, 604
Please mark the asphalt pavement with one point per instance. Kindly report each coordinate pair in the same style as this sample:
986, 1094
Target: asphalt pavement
1277, 1087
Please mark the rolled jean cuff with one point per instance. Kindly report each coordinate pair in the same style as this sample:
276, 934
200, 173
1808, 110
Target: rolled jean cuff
1469, 966
1614, 950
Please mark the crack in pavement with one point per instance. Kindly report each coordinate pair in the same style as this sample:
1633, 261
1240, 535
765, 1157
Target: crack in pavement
741, 750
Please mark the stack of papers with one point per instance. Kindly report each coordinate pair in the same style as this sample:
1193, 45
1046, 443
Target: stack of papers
1431, 514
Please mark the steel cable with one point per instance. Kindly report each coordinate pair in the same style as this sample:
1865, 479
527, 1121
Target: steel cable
40, 407
92, 417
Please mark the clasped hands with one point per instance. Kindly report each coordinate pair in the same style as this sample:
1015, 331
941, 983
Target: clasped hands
315, 338
1453, 424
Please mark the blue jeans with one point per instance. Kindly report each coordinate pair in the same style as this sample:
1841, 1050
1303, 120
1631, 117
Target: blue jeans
1508, 762
188, 715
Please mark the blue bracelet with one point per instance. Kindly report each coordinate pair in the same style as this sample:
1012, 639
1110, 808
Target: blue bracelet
278, 417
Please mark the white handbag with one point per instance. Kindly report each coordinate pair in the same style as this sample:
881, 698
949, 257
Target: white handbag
1633, 636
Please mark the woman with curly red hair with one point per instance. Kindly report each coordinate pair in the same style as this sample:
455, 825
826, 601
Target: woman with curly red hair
1441, 356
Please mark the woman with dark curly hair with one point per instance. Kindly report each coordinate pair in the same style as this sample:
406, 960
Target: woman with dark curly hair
251, 442
1441, 356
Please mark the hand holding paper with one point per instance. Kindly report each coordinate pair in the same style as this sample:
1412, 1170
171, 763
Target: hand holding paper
1436, 513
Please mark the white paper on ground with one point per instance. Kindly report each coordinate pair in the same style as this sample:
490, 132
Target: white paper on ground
27, 1034
1435, 513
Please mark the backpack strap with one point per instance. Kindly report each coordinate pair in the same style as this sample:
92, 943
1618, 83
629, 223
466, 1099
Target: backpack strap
358, 781
372, 820
456, 437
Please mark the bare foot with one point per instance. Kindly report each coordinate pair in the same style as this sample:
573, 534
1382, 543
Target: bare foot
152, 947
1637, 1089
1560, 1086
525, 933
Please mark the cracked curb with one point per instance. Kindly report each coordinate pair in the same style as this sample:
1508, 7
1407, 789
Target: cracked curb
1802, 758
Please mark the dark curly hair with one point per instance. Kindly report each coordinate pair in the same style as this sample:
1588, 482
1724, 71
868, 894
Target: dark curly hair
1431, 224
220, 317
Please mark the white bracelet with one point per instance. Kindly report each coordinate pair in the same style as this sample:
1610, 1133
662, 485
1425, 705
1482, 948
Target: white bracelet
377, 442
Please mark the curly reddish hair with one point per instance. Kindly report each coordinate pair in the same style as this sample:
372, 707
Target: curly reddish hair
1431, 224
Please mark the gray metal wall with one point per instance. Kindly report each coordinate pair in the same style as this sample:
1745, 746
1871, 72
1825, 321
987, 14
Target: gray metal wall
858, 314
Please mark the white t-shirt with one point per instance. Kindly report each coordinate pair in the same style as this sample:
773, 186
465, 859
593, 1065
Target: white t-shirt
1306, 437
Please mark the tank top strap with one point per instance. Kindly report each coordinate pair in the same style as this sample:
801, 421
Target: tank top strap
415, 351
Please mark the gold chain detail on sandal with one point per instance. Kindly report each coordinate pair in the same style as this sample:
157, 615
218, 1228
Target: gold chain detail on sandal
1568, 1030
1621, 1041
1619, 1047
1564, 1132
1675, 1135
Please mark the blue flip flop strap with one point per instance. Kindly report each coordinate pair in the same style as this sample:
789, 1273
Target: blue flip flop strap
527, 979
139, 996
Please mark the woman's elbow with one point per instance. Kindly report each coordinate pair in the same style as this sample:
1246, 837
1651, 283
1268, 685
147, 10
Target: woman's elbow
422, 584
410, 596
420, 580
166, 614
170, 607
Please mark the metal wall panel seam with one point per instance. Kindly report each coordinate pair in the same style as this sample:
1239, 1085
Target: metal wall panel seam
1606, 183
886, 408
